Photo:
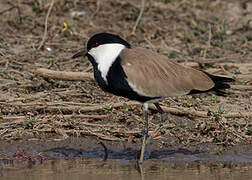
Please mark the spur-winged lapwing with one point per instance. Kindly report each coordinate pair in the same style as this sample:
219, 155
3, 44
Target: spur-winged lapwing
142, 75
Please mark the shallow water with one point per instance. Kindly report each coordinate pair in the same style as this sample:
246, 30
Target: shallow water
76, 163
120, 169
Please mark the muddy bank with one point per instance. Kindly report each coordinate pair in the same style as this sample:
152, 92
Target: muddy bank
90, 147
84, 157
38, 114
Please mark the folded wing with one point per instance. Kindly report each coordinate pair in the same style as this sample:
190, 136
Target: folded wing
154, 75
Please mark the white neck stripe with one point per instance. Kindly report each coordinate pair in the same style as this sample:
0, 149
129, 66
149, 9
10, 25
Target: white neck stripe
105, 55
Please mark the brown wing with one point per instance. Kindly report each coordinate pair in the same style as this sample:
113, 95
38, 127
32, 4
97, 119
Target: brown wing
155, 75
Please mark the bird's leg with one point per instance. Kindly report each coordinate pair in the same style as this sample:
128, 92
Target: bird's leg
145, 108
164, 115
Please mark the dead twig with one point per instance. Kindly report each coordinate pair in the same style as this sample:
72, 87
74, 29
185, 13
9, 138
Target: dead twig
154, 133
139, 17
103, 125
217, 60
85, 108
86, 132
14, 71
63, 75
241, 87
13, 6
209, 41
97, 9
3, 131
244, 76
8, 9
87, 116
46, 20
52, 107
18, 119
187, 112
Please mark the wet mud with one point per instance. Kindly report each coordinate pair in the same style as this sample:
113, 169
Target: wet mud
54, 126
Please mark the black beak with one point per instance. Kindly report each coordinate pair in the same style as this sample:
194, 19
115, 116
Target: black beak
81, 53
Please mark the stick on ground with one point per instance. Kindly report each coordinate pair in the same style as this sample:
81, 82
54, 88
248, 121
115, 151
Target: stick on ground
46, 20
139, 17
63, 75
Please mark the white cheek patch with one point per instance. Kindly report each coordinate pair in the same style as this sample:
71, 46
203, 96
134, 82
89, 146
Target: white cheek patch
105, 55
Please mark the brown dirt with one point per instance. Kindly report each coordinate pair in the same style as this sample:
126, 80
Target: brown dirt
215, 34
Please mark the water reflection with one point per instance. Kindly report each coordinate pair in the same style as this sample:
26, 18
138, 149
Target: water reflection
119, 169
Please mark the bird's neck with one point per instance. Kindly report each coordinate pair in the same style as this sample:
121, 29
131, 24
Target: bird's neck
105, 55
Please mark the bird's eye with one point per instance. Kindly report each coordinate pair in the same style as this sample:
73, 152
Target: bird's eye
96, 44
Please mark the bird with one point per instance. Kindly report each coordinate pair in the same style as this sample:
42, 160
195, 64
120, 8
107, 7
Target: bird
145, 76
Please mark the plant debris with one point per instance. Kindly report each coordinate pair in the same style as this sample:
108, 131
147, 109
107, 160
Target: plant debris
39, 37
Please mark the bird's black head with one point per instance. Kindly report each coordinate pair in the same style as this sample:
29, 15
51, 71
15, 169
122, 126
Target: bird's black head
101, 39
105, 38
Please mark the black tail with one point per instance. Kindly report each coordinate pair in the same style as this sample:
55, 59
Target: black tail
220, 83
